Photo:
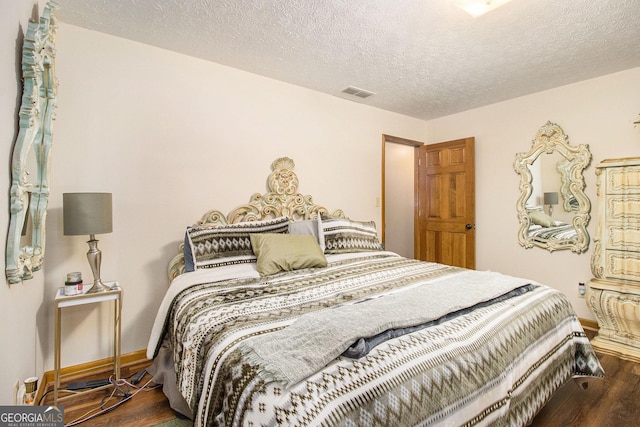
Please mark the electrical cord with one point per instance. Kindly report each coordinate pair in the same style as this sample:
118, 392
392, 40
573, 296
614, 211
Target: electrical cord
122, 391
135, 378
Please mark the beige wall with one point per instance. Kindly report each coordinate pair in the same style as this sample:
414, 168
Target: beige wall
172, 136
599, 112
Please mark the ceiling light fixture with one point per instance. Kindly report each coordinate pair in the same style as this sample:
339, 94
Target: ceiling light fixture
476, 8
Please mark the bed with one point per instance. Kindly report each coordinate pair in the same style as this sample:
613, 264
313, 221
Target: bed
283, 313
559, 232
546, 230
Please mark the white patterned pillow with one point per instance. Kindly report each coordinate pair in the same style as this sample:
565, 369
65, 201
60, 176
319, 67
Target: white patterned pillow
220, 245
345, 235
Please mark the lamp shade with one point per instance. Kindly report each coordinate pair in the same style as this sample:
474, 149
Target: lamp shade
87, 213
551, 198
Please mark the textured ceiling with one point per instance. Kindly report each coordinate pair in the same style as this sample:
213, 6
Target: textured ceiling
421, 58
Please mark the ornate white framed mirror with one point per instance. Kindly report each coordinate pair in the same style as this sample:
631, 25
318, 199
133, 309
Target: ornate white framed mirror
553, 209
30, 159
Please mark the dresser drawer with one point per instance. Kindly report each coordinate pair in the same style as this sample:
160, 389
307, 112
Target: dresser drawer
622, 236
623, 207
623, 180
623, 265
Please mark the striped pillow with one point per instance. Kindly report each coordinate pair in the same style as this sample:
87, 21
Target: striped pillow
220, 245
345, 235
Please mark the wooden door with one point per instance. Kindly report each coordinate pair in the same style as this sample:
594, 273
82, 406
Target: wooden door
445, 217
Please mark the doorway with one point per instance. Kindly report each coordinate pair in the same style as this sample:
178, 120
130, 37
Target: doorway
398, 194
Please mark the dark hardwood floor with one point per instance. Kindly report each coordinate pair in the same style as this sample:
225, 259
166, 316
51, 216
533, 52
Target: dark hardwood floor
149, 407
613, 401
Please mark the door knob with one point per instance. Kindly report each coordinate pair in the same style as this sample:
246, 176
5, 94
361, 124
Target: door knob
468, 226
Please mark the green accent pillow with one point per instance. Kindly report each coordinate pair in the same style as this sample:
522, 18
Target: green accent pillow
286, 252
541, 218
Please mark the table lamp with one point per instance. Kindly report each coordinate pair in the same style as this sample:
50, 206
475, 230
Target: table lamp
89, 213
551, 199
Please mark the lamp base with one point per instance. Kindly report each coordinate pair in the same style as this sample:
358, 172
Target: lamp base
98, 287
94, 256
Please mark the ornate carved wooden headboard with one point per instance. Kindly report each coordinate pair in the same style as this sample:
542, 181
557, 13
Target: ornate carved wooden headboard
282, 199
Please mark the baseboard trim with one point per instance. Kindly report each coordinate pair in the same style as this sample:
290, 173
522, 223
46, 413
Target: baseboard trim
95, 367
589, 324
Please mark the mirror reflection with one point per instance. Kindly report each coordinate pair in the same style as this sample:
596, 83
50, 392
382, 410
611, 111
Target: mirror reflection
553, 209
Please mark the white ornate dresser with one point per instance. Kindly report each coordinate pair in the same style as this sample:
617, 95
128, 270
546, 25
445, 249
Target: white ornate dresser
613, 295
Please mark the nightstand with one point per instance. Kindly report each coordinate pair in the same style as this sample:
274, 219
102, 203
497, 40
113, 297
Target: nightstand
62, 301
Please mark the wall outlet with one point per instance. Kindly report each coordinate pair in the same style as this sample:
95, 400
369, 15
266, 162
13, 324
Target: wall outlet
582, 289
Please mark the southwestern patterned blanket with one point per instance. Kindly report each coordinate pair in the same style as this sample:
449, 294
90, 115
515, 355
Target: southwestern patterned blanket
251, 350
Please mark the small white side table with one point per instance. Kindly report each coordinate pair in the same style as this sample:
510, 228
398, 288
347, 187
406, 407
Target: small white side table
61, 301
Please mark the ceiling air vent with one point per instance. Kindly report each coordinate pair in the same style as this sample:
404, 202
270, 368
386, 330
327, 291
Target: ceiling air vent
360, 93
